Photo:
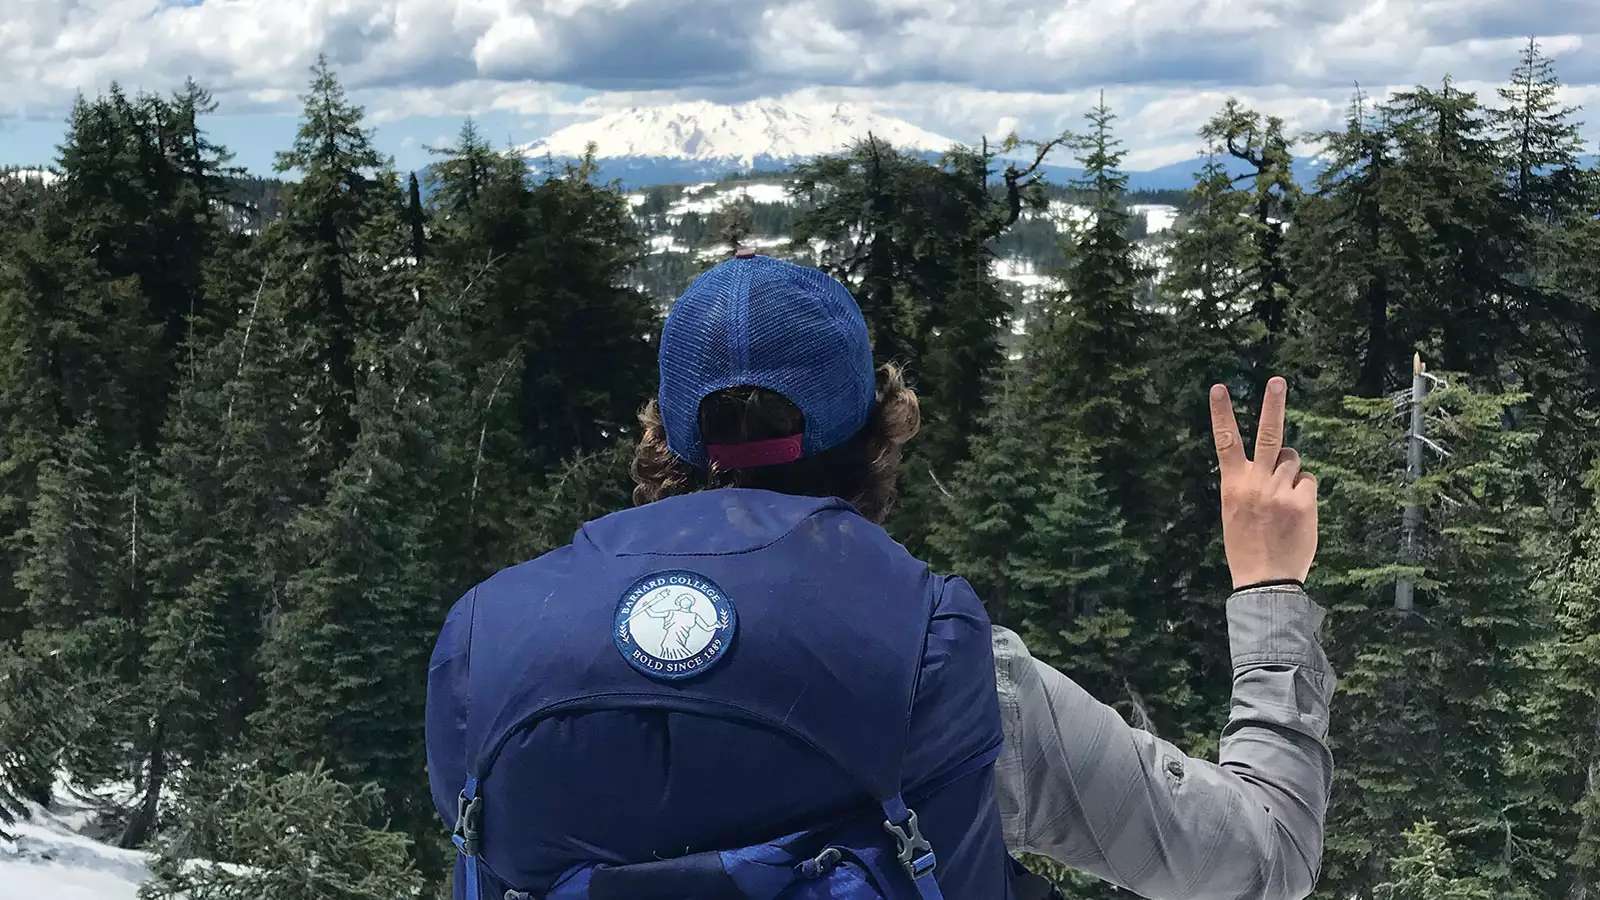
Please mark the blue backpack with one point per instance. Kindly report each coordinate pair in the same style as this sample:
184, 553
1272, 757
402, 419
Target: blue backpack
659, 640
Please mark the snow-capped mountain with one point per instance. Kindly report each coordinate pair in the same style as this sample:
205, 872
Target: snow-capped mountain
693, 141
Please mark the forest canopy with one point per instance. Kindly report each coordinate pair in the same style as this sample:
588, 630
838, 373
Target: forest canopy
257, 436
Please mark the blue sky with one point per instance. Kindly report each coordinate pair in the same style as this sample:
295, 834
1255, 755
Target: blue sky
526, 67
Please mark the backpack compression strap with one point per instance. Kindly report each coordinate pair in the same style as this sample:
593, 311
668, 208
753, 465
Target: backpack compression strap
468, 832
914, 851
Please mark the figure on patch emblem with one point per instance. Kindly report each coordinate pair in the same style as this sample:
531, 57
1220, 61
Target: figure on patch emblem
674, 624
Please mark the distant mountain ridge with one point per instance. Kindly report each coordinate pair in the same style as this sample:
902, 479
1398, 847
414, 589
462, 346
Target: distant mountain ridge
702, 141
743, 136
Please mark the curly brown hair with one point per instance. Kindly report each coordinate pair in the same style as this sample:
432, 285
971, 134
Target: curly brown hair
863, 470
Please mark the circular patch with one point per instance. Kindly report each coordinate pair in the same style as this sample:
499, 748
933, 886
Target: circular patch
674, 624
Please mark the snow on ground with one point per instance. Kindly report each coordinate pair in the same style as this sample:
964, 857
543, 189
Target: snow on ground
1157, 216
44, 176
666, 243
753, 242
1061, 212
635, 200
765, 192
50, 859
696, 200
1019, 271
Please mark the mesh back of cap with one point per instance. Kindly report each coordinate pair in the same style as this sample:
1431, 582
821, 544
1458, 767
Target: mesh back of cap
763, 322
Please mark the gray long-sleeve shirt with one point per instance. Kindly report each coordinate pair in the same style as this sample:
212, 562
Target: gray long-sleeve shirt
1079, 785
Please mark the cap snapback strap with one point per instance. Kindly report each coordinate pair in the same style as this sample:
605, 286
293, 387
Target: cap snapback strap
754, 454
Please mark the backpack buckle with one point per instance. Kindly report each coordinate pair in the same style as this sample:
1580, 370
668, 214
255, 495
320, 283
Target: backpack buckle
468, 832
822, 864
915, 853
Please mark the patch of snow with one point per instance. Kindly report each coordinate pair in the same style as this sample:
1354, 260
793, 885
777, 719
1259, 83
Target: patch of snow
1155, 256
636, 200
666, 243
43, 176
752, 242
1158, 217
745, 132
704, 203
50, 858
765, 192
1020, 271
1062, 212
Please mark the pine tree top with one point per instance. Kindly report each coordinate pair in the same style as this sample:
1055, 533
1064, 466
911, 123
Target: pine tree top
331, 142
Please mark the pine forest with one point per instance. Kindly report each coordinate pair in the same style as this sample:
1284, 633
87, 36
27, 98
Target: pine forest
258, 434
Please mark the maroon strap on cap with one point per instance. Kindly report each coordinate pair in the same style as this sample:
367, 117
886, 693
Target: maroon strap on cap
754, 454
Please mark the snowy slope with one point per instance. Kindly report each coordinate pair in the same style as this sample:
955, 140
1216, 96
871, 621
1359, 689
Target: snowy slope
743, 134
52, 859
44, 176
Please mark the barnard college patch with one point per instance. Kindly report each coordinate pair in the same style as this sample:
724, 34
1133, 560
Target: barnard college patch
674, 624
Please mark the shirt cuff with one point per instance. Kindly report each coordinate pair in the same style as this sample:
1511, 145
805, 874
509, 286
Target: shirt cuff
1268, 625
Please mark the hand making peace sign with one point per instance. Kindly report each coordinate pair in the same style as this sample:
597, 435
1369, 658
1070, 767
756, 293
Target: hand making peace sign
1269, 506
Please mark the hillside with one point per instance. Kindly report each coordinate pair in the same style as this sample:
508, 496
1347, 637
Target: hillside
685, 229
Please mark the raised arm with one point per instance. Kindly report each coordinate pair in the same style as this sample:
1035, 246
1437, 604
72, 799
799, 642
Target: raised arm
1081, 786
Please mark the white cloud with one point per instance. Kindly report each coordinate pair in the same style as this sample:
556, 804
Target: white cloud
960, 68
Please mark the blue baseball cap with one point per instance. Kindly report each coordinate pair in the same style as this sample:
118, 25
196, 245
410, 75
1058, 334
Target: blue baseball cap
756, 321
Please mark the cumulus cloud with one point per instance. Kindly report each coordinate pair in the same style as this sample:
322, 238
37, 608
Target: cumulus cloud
951, 66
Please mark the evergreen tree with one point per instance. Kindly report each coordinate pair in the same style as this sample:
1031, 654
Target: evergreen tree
1273, 194
861, 212
1458, 251
1432, 698
465, 177
1036, 519
1554, 200
343, 659
1101, 346
1427, 871
1564, 750
1345, 252
1028, 522
1561, 364
232, 474
45, 712
313, 245
913, 242
584, 488
1540, 141
141, 185
75, 581
587, 336
416, 219
561, 309
301, 836
1205, 340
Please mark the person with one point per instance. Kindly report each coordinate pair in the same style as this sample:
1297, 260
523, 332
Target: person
743, 687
